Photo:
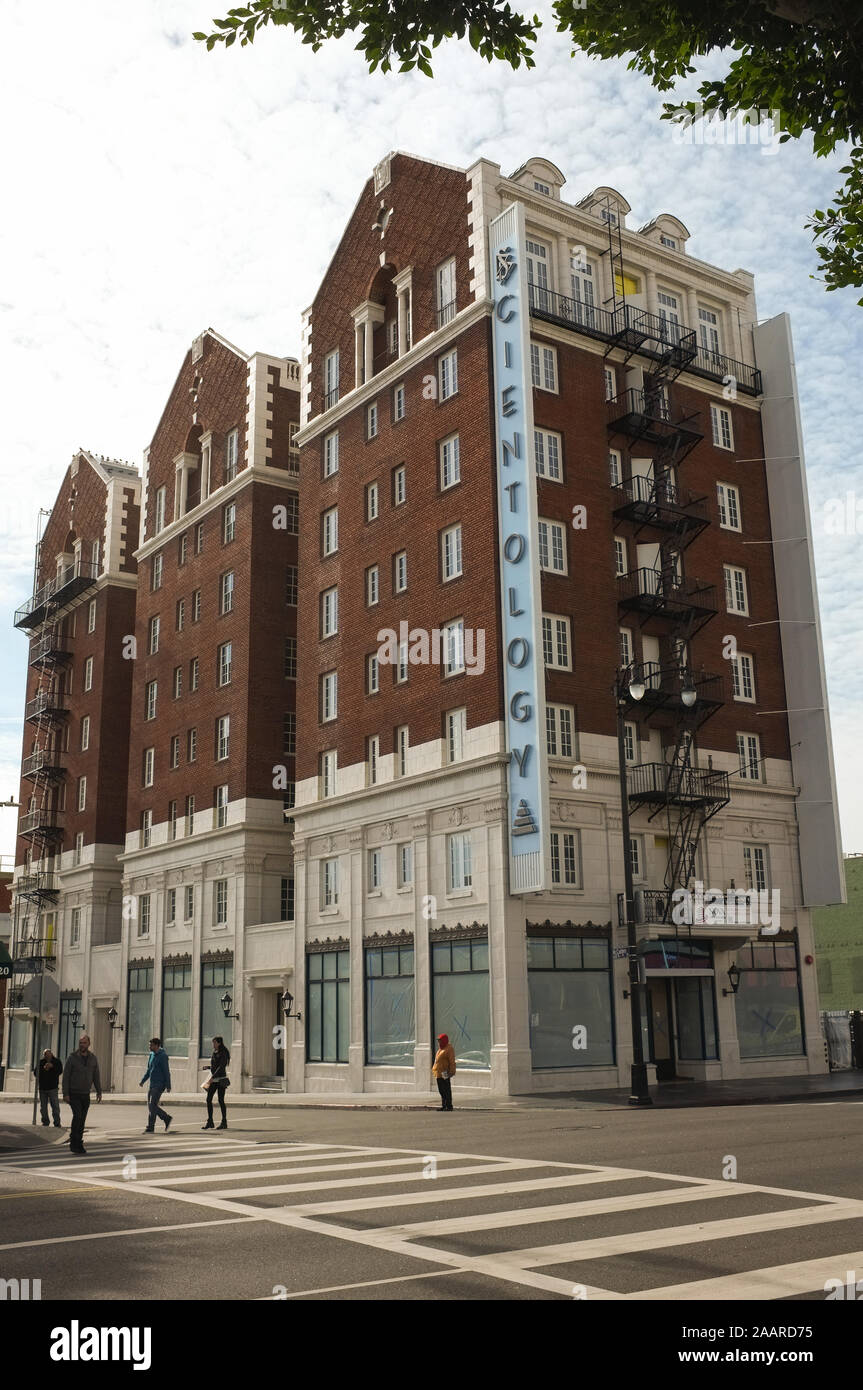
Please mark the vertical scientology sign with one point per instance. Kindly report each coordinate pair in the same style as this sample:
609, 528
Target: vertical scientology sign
524, 670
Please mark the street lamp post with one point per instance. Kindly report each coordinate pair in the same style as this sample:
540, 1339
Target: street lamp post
639, 1094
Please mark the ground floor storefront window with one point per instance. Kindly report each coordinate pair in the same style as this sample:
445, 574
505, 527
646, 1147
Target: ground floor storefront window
68, 1039
328, 1006
390, 1027
139, 1010
19, 1042
769, 1016
460, 999
216, 977
569, 982
177, 1008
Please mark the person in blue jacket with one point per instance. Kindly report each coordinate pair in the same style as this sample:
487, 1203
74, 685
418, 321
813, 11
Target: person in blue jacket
158, 1076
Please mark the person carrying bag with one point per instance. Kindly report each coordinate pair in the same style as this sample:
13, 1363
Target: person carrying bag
217, 1083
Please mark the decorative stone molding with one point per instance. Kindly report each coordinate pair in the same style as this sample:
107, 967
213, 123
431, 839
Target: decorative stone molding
355, 838
217, 957
389, 938
387, 830
338, 943
457, 815
136, 963
495, 810
548, 928
177, 960
460, 932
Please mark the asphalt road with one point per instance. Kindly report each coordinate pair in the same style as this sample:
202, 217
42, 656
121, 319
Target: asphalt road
753, 1202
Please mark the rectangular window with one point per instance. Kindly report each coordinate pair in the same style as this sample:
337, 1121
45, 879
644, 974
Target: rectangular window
226, 592
555, 642
153, 636
460, 990
178, 682
139, 1010
548, 452
402, 746
405, 865
626, 648
215, 979
373, 758
286, 907
331, 454
373, 585
736, 600
85, 733
146, 828
331, 379
91, 615
610, 383
630, 741
708, 332
399, 403
149, 766
743, 677
451, 552
552, 546
559, 726
459, 862
328, 1003
570, 977
329, 696
232, 442
150, 693
181, 614
88, 673
720, 422
614, 472
636, 855
749, 754
329, 612
402, 664
220, 905
448, 375
373, 677
755, 868
375, 875
620, 560
450, 462
456, 731
144, 914
728, 499
225, 663
190, 830
192, 745
220, 805
176, 1009
161, 495
329, 883
291, 586
292, 509
453, 634
372, 420
400, 572
328, 772
229, 522
171, 907
399, 485
194, 673
196, 606
389, 1013
183, 549
79, 847
223, 737
172, 821
543, 367
157, 572
174, 757
372, 502
565, 867
199, 538
330, 531
289, 734
445, 299
290, 658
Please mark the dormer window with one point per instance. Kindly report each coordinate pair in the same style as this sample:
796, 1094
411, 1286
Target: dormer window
668, 241
542, 188
609, 217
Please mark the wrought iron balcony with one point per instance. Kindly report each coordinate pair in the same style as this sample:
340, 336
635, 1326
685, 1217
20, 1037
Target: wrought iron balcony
670, 784
736, 916
48, 707
655, 594
72, 581
42, 825
38, 886
661, 703
646, 415
48, 651
658, 503
648, 334
35, 610
43, 765
33, 954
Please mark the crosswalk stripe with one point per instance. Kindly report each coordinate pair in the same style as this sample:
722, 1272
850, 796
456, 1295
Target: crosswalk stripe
267, 1171
502, 1166
456, 1194
776, 1281
131, 1231
215, 1166
633, 1242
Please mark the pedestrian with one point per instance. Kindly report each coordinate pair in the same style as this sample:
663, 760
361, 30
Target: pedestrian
444, 1070
80, 1077
219, 1081
49, 1071
158, 1074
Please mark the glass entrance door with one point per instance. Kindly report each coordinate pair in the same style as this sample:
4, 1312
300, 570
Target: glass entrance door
661, 1027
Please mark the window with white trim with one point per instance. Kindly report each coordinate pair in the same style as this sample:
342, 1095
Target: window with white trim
375, 871
75, 927
330, 531
620, 558
232, 443
225, 662
448, 375
450, 462
636, 855
736, 597
372, 502
405, 865
373, 758
174, 755
79, 847
331, 379
543, 367
144, 914
226, 592
330, 612
229, 522
552, 546
445, 296
329, 767
451, 552
459, 862
728, 501
743, 677
373, 675
610, 383
85, 733
220, 893
194, 673
720, 424
399, 403
565, 855
159, 522
191, 745
146, 828
329, 883
329, 696
630, 741
749, 754
153, 635
614, 469
456, 733
178, 682
171, 907
756, 868
91, 615
82, 794
331, 454
149, 766
196, 606
88, 673
150, 693
708, 331
156, 582
626, 647
402, 664
189, 890
372, 420
402, 747
373, 585
223, 737
400, 487
555, 642
547, 450
453, 634
559, 726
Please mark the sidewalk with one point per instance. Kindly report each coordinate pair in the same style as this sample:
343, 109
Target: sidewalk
669, 1095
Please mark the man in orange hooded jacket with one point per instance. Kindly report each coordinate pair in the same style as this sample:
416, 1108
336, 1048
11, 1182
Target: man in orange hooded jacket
444, 1070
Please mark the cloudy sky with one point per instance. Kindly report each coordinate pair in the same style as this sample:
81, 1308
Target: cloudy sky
153, 189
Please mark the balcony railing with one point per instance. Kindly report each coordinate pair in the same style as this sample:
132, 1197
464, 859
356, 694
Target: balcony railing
48, 650
446, 313
662, 691
648, 334
43, 824
46, 706
738, 915
656, 501
667, 784
647, 415
44, 764
33, 952
73, 580
331, 398
654, 593
38, 886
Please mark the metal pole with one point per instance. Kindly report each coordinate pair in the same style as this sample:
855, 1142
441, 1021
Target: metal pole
37, 1028
639, 1094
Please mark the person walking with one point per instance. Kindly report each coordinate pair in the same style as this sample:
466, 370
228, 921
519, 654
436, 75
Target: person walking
158, 1074
218, 1082
49, 1071
443, 1070
80, 1077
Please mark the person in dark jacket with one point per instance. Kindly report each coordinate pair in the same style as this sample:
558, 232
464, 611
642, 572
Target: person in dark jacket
219, 1080
158, 1075
80, 1077
49, 1071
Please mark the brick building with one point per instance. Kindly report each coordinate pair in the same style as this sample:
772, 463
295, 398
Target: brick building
569, 450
